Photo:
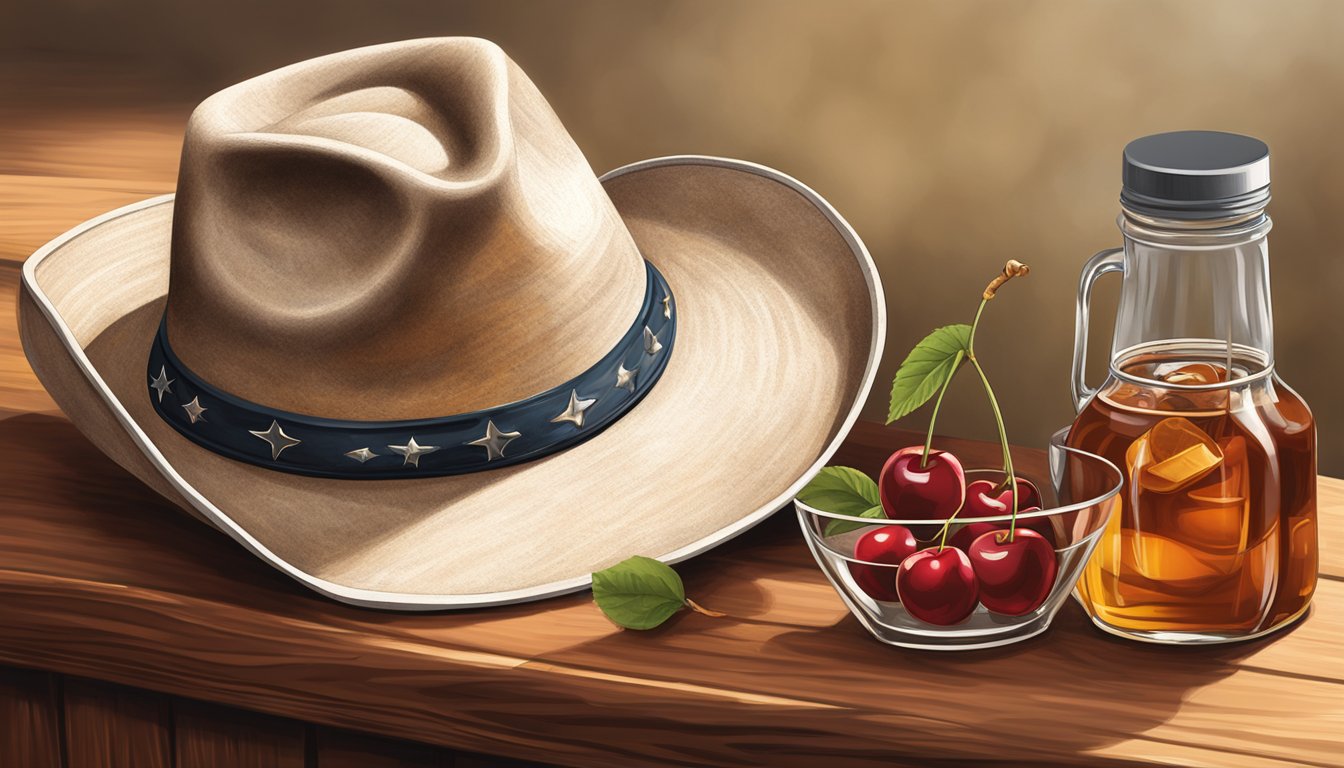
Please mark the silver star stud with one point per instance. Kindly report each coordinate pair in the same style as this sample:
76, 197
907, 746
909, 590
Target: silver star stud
626, 379
575, 412
651, 343
495, 441
160, 383
362, 454
667, 307
411, 452
277, 438
195, 411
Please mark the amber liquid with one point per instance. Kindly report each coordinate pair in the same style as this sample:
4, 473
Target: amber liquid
1215, 531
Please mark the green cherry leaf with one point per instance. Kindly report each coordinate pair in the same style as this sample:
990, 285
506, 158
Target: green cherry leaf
927, 368
638, 593
837, 527
842, 490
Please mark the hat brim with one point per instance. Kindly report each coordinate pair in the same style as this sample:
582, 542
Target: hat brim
781, 324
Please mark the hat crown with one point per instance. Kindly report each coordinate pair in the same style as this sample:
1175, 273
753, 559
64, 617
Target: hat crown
396, 232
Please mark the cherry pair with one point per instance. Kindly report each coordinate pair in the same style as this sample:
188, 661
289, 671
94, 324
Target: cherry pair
942, 585
912, 488
1009, 573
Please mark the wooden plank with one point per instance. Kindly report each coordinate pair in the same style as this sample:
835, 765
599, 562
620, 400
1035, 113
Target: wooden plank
337, 748
728, 682
471, 760
765, 579
62, 139
35, 209
784, 585
211, 736
30, 718
60, 166
108, 725
20, 391
1330, 530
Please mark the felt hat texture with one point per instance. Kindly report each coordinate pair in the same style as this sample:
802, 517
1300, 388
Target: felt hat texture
405, 232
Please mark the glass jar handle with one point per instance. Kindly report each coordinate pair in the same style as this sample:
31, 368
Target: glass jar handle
1109, 260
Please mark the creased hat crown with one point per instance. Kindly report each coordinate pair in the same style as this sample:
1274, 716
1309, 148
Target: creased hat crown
396, 232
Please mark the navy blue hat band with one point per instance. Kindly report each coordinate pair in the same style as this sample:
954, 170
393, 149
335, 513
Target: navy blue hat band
451, 445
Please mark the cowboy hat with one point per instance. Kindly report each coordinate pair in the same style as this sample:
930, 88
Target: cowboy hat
393, 336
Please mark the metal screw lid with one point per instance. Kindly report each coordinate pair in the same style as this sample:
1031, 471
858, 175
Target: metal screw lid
1195, 175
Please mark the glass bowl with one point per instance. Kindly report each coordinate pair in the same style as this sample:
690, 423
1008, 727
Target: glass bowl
1077, 502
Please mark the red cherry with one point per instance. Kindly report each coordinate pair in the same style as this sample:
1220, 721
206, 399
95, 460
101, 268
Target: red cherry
983, 499
933, 491
883, 544
1015, 576
971, 531
937, 587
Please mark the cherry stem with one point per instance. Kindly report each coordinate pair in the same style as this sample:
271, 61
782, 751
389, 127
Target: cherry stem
998, 415
694, 606
942, 538
1013, 268
933, 419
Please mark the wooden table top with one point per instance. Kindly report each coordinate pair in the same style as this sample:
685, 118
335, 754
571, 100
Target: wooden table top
101, 578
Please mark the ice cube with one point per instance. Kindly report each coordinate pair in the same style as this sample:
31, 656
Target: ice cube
1172, 563
1194, 401
1215, 526
1196, 374
1132, 396
1189, 511
1182, 469
1172, 455
1192, 374
1214, 515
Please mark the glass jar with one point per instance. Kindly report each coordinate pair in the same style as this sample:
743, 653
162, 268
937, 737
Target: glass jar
1214, 539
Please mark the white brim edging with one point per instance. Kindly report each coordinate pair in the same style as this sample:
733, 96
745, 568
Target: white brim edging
421, 602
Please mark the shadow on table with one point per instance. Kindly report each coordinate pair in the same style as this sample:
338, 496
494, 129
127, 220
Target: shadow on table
1064, 694
1073, 689
67, 506
62, 500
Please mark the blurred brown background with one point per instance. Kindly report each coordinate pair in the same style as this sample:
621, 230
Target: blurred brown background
952, 135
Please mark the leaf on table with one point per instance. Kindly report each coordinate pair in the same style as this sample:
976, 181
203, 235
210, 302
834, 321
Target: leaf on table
638, 593
927, 368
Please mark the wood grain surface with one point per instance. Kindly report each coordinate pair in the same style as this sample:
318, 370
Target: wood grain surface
210, 736
335, 748
111, 723
107, 725
30, 715
101, 578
